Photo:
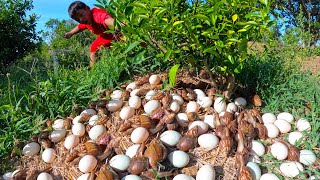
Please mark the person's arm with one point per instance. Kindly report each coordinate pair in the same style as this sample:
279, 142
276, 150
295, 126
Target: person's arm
109, 22
72, 32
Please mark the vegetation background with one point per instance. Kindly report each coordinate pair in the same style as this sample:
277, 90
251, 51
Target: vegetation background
257, 45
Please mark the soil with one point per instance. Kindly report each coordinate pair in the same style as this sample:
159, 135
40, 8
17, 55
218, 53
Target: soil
312, 65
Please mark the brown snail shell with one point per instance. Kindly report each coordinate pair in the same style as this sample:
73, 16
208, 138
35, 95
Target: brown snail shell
138, 165
257, 100
192, 116
158, 114
155, 152
141, 121
186, 143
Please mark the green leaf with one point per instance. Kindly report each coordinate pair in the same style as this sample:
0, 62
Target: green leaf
264, 2
242, 30
177, 22
132, 45
234, 17
202, 17
233, 40
136, 4
167, 55
173, 74
252, 15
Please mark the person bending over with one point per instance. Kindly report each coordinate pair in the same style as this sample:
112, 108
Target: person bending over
97, 21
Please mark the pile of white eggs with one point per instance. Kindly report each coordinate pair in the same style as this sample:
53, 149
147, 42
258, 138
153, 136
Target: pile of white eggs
283, 123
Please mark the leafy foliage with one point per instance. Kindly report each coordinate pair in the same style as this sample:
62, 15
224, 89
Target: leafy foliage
199, 33
17, 31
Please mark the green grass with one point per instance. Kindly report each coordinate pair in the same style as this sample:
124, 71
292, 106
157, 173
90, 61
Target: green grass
291, 96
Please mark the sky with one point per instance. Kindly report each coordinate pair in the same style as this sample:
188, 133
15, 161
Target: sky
54, 9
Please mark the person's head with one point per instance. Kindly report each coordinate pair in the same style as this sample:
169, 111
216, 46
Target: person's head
80, 12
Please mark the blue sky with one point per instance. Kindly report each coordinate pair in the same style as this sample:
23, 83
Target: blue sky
54, 9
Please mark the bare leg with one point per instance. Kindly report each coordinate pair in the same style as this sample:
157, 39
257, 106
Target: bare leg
92, 59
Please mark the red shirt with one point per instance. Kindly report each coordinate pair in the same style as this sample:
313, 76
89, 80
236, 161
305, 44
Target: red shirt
98, 27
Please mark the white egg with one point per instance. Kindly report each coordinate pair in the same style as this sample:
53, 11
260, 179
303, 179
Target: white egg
206, 172
202, 126
257, 148
150, 94
192, 106
85, 176
114, 105
269, 176
182, 177
179, 158
48, 155
294, 137
134, 92
177, 98
199, 93
170, 137
240, 101
116, 94
268, 118
175, 107
182, 119
57, 135
131, 177
135, 102
58, 124
139, 135
279, 150
307, 157
273, 130
154, 79
283, 125
96, 131
76, 119
132, 150
120, 162
89, 112
210, 120
208, 141
126, 112
220, 105
87, 163
151, 105
286, 116
131, 86
204, 101
232, 107
71, 141
93, 119
7, 176
255, 170
78, 129
303, 125
31, 149
291, 168
44, 176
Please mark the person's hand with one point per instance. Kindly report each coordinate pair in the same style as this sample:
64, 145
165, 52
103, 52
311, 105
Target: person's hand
67, 35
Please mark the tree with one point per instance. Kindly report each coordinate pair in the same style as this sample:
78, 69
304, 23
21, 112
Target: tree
18, 34
292, 9
211, 33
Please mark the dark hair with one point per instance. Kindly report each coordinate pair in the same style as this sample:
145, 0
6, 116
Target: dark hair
76, 5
